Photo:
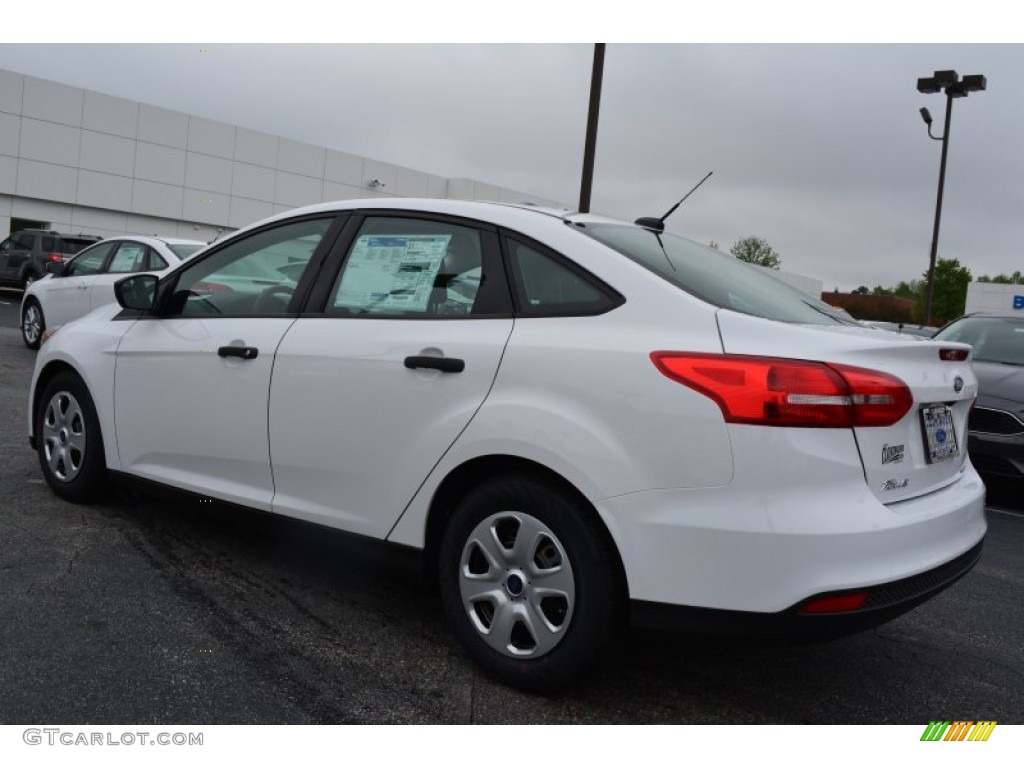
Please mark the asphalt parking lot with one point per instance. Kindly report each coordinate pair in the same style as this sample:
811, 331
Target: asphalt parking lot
154, 610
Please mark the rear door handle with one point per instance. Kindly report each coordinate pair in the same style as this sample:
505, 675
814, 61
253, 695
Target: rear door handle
246, 353
444, 364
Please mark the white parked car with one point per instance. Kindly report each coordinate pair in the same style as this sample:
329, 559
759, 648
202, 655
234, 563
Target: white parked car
85, 282
570, 416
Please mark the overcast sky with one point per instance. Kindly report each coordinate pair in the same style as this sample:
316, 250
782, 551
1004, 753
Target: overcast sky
819, 149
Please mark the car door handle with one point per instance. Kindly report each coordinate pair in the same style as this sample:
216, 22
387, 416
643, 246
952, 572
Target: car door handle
444, 364
246, 353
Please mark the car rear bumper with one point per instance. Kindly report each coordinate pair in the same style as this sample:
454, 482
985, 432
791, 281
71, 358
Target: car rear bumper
770, 553
884, 602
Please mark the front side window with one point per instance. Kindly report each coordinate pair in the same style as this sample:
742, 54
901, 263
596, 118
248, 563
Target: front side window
19, 241
256, 275
411, 267
90, 262
130, 257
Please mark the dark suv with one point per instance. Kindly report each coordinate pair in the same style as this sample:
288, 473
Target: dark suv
23, 255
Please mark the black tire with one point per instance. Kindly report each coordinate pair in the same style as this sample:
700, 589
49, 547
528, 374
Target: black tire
569, 628
33, 323
68, 440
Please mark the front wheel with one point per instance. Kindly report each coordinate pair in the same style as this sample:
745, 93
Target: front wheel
69, 442
529, 582
32, 324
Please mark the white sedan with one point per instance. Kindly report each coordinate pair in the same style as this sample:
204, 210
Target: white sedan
570, 416
86, 281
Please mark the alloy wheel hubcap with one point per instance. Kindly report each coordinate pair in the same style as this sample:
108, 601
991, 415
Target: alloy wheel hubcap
32, 324
517, 585
64, 436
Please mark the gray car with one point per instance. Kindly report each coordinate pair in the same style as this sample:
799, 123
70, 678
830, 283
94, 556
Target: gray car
995, 439
25, 254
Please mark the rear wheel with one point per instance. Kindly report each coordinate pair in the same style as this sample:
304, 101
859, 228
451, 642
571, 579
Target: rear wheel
69, 442
529, 582
32, 324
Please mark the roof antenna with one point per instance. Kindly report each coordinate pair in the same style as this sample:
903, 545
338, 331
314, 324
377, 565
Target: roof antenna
658, 225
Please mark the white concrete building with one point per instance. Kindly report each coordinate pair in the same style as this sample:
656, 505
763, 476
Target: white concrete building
995, 297
76, 161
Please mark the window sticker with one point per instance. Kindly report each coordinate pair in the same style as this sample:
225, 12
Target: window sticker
392, 273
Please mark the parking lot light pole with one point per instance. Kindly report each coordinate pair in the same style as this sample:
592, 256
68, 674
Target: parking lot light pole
589, 147
955, 88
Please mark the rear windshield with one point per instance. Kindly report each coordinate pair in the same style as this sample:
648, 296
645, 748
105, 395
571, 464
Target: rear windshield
715, 277
74, 245
184, 250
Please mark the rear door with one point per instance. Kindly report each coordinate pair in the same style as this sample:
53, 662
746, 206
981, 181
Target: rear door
370, 391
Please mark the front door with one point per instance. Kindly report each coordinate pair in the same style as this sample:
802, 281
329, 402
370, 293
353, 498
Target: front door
192, 383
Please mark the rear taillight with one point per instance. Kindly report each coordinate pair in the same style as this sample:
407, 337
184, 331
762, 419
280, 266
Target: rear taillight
955, 355
790, 393
54, 257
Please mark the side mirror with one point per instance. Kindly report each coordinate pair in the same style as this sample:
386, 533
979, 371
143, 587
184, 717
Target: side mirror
137, 292
57, 268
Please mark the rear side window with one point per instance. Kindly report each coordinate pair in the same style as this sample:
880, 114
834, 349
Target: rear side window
547, 284
74, 244
715, 277
156, 262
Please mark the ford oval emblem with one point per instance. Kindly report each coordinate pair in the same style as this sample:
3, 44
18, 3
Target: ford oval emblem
958, 384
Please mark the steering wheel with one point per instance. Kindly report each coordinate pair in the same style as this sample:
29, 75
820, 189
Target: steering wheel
268, 302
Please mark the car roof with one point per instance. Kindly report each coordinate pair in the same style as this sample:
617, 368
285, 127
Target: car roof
499, 212
152, 239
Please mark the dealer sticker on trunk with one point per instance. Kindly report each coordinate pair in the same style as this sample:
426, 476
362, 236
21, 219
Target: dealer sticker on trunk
939, 433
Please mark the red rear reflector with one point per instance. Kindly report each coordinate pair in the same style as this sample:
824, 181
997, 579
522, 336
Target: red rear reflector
836, 604
54, 257
789, 393
953, 354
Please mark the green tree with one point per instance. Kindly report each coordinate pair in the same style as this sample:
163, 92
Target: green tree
911, 290
755, 250
861, 290
949, 294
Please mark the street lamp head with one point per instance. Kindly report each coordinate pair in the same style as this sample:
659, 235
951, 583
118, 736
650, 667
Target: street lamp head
956, 90
946, 76
974, 83
928, 85
926, 116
